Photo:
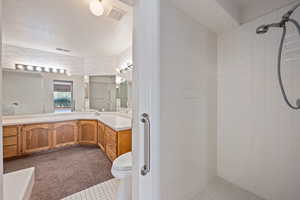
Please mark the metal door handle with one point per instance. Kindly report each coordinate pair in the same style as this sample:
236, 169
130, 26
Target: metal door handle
146, 121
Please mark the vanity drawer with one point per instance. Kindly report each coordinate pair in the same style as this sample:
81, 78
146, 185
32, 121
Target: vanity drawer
12, 140
10, 151
10, 131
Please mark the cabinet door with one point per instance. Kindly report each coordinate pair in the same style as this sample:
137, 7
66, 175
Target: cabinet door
65, 133
88, 132
36, 138
111, 143
101, 138
124, 142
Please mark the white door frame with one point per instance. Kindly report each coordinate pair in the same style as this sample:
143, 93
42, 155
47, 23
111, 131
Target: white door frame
1, 137
146, 96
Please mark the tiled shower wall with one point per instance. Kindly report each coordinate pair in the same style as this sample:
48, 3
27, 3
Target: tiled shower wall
258, 135
188, 104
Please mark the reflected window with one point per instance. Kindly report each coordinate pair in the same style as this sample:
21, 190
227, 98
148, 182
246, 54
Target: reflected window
63, 96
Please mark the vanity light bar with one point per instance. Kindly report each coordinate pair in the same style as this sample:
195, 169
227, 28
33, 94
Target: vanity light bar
39, 69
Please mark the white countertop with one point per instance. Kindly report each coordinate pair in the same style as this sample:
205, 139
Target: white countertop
114, 120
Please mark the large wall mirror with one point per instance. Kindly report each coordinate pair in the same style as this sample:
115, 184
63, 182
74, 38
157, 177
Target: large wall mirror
109, 93
34, 93
38, 92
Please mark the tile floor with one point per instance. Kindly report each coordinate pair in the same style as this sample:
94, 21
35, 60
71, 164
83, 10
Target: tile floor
102, 191
218, 189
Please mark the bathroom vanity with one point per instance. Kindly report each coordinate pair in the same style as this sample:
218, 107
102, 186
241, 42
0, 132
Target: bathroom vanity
35, 133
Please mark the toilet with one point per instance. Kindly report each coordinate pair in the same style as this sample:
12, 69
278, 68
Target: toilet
121, 169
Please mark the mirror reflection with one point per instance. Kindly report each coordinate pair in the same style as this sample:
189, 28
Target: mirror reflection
40, 92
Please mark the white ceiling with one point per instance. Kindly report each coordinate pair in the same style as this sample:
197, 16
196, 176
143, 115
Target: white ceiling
251, 9
223, 15
68, 24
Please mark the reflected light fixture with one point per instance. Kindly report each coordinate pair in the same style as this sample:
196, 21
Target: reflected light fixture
96, 7
119, 80
62, 71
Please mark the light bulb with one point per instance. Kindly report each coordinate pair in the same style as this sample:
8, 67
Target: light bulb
20, 67
96, 7
29, 68
39, 69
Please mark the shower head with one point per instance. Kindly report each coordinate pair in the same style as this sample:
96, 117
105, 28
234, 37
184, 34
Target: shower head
262, 29
285, 18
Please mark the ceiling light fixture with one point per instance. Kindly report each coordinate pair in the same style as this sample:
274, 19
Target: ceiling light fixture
22, 67
96, 7
124, 68
19, 66
39, 69
29, 68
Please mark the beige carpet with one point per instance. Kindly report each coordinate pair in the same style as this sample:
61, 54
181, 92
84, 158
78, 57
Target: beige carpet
64, 172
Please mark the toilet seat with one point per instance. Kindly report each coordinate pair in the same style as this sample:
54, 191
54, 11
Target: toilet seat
121, 169
123, 162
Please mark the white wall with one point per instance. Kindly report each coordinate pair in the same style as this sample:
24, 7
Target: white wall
97, 65
258, 135
89, 65
188, 105
13, 55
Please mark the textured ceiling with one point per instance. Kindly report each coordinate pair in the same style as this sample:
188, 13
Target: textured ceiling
68, 24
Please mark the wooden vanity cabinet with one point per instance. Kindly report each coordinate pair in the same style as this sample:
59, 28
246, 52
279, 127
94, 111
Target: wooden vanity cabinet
111, 143
36, 138
11, 141
117, 142
25, 139
88, 131
101, 136
65, 133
